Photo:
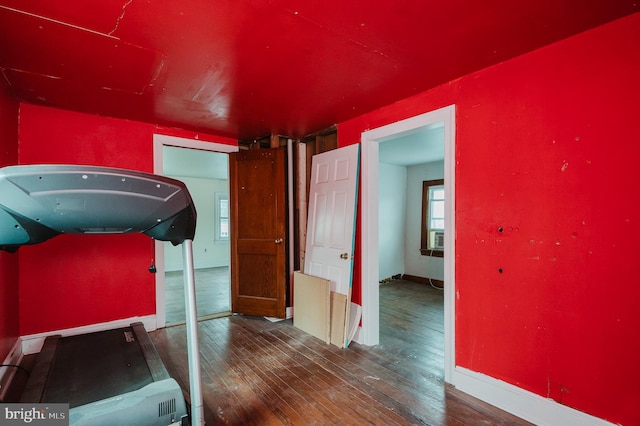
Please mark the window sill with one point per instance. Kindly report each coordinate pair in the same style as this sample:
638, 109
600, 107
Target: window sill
434, 253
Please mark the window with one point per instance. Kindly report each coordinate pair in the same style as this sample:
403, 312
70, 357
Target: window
432, 241
222, 216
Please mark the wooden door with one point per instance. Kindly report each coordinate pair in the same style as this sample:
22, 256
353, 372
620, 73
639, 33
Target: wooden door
258, 232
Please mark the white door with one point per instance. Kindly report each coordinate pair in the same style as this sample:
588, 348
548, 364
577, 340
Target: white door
331, 220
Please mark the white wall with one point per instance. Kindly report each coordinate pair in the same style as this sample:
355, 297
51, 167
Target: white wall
415, 263
392, 191
207, 251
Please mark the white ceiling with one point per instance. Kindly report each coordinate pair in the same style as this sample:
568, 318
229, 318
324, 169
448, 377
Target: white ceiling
424, 146
187, 162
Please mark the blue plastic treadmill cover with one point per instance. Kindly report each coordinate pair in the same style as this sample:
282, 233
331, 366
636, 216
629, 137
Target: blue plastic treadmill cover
38, 202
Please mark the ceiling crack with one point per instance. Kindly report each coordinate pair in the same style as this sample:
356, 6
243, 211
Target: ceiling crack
331, 30
124, 7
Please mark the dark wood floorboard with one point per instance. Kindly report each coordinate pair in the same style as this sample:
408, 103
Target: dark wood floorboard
258, 372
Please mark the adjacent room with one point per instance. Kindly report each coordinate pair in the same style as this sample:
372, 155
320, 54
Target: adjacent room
459, 175
206, 174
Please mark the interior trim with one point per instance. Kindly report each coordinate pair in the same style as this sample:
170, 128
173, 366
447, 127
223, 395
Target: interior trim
423, 280
524, 404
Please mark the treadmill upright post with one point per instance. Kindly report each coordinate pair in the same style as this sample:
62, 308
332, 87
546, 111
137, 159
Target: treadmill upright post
195, 383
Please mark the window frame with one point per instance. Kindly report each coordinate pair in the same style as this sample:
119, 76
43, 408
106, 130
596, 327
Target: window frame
218, 198
425, 229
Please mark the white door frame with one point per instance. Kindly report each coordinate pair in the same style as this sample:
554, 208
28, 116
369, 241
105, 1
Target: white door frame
160, 141
370, 332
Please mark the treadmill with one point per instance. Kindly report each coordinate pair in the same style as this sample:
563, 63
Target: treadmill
114, 376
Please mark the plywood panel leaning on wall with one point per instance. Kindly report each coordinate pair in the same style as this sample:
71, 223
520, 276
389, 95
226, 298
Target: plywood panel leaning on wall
311, 305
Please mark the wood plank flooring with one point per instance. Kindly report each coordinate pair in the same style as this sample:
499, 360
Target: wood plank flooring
257, 372
213, 293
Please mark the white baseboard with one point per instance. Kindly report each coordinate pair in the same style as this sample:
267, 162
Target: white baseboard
7, 373
524, 404
32, 343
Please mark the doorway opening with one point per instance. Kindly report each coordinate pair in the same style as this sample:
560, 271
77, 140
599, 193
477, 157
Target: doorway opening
203, 167
410, 276
372, 142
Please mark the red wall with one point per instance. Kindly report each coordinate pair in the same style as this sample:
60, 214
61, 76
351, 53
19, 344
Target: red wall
547, 147
9, 312
72, 281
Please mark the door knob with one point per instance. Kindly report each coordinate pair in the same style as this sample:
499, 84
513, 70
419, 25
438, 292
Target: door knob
344, 256
278, 241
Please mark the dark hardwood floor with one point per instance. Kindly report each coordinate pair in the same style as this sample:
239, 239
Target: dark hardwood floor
212, 293
258, 372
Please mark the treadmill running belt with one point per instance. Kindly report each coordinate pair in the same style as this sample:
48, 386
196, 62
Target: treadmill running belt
94, 366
